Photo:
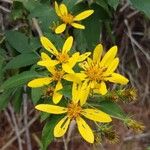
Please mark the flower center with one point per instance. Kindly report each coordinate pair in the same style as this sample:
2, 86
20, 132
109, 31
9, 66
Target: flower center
63, 57
74, 110
49, 91
58, 75
95, 73
68, 18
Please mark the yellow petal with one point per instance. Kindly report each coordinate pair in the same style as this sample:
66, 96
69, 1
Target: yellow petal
39, 82
75, 93
97, 53
96, 115
46, 61
61, 28
85, 130
112, 67
51, 70
57, 96
74, 77
73, 60
67, 68
62, 126
78, 26
84, 56
52, 109
47, 44
67, 45
109, 56
84, 92
84, 65
117, 78
83, 15
63, 9
102, 88
57, 9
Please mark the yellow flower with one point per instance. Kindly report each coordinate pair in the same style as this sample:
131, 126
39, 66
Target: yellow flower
61, 57
98, 70
68, 19
74, 111
56, 76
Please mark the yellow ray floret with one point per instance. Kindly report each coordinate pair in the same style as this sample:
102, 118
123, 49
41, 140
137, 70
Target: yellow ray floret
75, 111
62, 57
69, 19
56, 76
99, 70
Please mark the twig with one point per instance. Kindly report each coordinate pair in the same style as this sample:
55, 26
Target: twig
25, 109
36, 25
15, 127
133, 46
144, 135
22, 131
7, 1
5, 9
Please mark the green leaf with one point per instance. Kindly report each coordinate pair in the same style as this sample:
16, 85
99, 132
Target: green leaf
22, 60
81, 44
113, 3
112, 109
93, 24
142, 5
17, 99
18, 41
48, 130
5, 97
1, 68
36, 94
66, 91
17, 11
19, 80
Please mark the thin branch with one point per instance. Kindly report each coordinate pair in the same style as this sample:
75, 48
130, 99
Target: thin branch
37, 27
15, 127
22, 131
25, 109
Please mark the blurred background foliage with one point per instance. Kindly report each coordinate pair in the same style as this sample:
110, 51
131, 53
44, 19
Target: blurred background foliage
115, 22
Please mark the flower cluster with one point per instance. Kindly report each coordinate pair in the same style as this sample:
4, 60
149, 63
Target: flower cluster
87, 74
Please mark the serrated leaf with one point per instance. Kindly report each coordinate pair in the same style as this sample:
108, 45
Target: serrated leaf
112, 109
36, 94
18, 41
142, 5
19, 80
47, 133
22, 60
